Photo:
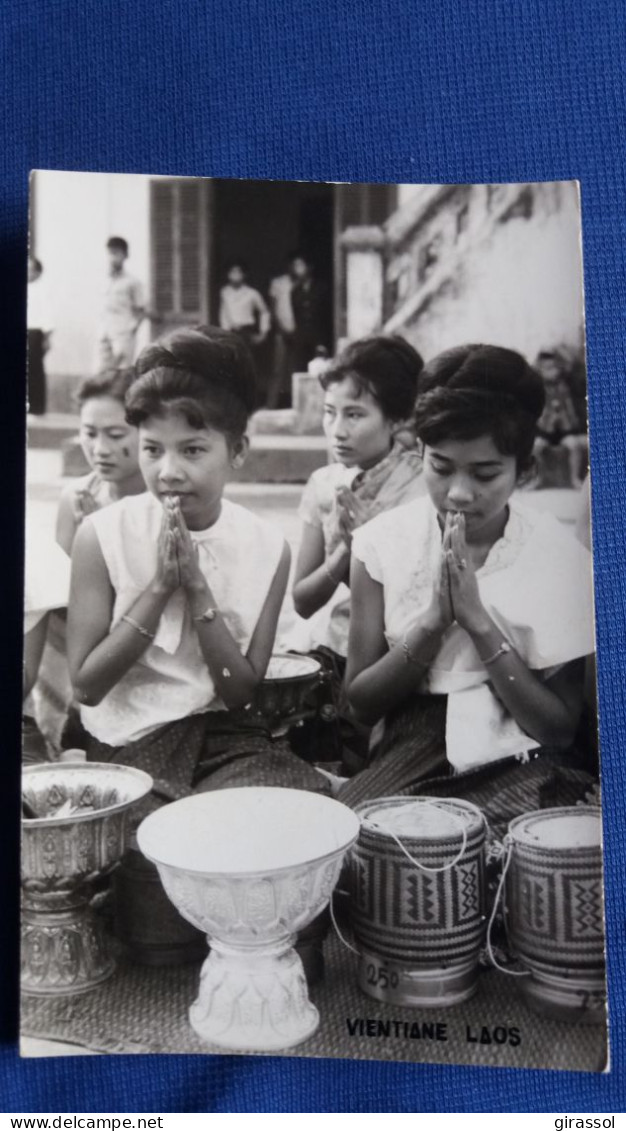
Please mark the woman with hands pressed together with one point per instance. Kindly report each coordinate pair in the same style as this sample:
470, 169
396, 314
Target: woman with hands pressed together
369, 394
176, 593
471, 613
109, 444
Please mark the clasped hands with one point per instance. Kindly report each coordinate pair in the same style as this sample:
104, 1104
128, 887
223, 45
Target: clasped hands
456, 596
177, 558
352, 512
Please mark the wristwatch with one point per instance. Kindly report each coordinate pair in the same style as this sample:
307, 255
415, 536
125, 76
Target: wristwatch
207, 615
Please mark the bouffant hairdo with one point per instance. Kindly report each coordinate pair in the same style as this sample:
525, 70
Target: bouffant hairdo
480, 390
205, 374
113, 383
386, 367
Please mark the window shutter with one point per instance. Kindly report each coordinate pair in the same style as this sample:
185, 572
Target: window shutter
179, 218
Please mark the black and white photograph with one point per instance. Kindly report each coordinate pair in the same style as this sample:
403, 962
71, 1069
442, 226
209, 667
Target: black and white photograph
310, 745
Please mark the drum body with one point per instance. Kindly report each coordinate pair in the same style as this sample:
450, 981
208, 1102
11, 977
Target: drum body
554, 911
419, 932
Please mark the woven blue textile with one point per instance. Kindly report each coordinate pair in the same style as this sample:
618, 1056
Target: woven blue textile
388, 90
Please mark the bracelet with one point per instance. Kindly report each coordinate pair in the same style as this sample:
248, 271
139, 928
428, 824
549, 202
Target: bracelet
330, 575
504, 648
138, 627
409, 658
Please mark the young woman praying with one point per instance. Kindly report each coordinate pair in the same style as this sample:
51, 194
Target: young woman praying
472, 612
175, 593
369, 396
109, 445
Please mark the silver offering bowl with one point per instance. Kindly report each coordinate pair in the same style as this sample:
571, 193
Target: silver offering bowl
81, 831
251, 867
281, 697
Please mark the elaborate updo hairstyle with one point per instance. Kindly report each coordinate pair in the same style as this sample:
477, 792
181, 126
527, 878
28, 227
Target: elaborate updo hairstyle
478, 390
205, 374
113, 383
386, 367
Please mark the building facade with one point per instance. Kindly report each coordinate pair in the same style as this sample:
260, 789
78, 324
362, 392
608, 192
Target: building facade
441, 265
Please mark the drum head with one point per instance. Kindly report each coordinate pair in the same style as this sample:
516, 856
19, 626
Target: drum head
575, 827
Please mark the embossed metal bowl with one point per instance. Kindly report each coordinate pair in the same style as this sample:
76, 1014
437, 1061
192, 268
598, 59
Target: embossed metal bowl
251, 867
288, 682
81, 833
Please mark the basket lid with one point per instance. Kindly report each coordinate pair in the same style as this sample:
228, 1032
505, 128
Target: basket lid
421, 818
573, 827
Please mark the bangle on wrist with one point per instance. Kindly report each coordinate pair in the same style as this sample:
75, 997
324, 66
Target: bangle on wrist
138, 627
330, 575
409, 656
503, 650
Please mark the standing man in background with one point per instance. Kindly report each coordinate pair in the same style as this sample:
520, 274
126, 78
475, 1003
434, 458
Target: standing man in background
309, 302
284, 325
124, 311
39, 326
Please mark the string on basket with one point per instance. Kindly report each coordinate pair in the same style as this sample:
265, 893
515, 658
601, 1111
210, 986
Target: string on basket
418, 864
339, 934
494, 911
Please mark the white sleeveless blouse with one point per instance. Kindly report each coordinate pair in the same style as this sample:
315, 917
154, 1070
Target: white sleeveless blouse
238, 555
536, 585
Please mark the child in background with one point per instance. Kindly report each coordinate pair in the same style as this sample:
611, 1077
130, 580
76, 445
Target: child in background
124, 311
110, 447
370, 395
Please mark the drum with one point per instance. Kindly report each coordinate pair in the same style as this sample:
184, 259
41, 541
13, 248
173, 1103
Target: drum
417, 887
554, 911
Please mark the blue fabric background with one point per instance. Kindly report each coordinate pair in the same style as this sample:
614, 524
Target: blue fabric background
389, 90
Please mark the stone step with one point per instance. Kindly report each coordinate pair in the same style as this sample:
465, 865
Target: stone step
51, 430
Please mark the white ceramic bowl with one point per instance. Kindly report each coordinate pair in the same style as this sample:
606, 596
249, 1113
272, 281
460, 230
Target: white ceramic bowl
251, 867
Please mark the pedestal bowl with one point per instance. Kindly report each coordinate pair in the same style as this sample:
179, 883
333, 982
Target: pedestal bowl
81, 831
251, 867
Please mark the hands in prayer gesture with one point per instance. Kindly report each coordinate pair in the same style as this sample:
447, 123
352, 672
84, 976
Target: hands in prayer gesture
456, 596
352, 512
177, 558
84, 504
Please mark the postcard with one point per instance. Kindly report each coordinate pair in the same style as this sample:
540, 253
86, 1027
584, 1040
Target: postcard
310, 755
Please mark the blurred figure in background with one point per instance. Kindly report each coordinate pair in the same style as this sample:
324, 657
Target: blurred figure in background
309, 302
39, 325
123, 311
46, 587
284, 325
563, 420
243, 309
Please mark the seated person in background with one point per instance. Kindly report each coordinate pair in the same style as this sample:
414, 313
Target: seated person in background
563, 420
370, 395
472, 613
109, 445
46, 587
